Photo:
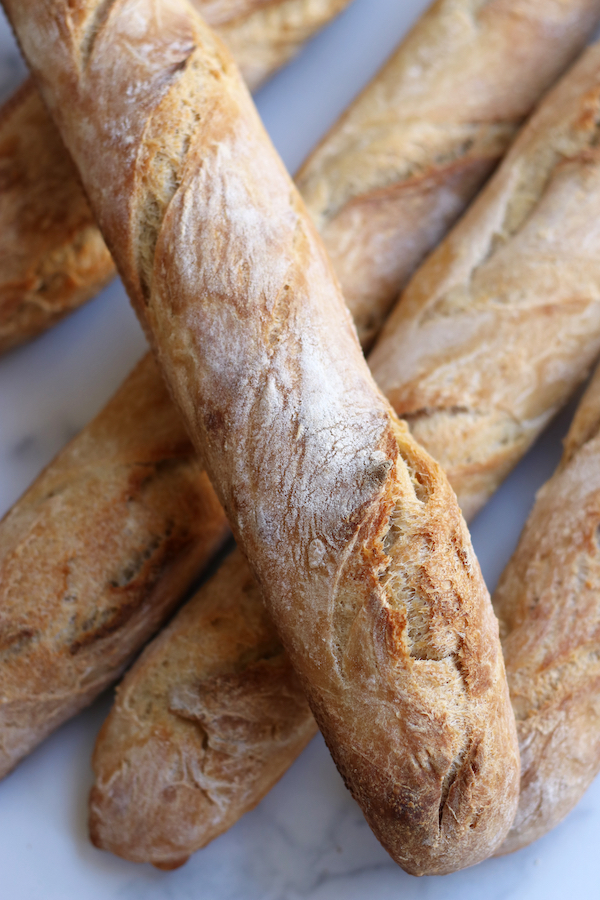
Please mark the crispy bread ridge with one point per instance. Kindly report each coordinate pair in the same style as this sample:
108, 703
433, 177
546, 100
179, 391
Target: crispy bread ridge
204, 724
502, 322
548, 604
352, 531
401, 165
95, 557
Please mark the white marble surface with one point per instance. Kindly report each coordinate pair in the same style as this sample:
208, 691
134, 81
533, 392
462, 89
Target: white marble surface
307, 840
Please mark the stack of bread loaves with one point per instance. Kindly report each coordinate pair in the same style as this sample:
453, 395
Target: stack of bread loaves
376, 624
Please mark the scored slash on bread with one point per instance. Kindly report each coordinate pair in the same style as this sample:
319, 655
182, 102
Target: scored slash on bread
341, 514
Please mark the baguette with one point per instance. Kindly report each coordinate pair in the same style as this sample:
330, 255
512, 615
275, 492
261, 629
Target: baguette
94, 558
404, 161
352, 531
368, 184
52, 256
205, 723
503, 321
548, 604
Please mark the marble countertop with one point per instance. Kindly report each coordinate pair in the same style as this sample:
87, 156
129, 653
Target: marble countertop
307, 840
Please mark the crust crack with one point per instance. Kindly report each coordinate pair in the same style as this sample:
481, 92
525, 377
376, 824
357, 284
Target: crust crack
460, 145
535, 175
415, 598
163, 169
93, 29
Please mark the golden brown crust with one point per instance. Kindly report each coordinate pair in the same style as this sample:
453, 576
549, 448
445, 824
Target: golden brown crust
52, 256
204, 724
503, 320
327, 493
548, 601
94, 558
406, 158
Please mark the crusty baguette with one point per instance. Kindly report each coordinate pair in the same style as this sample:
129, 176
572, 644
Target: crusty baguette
94, 558
548, 602
52, 256
205, 723
383, 186
503, 320
401, 165
352, 531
